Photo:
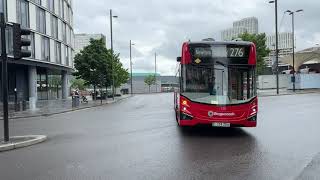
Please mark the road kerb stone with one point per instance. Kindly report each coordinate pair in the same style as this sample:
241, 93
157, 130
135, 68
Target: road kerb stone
6, 147
31, 140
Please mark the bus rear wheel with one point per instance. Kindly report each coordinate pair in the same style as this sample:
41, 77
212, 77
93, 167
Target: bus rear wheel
177, 119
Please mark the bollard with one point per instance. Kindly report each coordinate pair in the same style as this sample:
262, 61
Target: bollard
75, 101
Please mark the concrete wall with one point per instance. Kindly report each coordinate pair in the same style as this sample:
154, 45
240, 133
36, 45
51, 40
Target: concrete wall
307, 81
269, 81
303, 81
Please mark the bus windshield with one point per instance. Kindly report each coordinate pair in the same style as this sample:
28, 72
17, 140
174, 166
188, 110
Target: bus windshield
218, 84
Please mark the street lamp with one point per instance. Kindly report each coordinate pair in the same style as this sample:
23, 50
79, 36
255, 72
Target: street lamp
131, 85
111, 44
277, 46
155, 70
293, 79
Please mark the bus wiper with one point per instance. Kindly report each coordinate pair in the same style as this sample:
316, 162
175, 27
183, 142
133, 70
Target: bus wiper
221, 63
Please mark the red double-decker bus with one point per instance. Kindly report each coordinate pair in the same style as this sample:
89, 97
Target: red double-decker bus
217, 84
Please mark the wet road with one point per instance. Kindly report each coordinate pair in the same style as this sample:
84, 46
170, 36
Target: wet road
138, 139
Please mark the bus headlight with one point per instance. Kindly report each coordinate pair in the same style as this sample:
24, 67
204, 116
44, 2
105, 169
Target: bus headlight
253, 111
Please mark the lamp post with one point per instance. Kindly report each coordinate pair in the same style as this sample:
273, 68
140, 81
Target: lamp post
111, 44
293, 79
131, 84
155, 70
277, 46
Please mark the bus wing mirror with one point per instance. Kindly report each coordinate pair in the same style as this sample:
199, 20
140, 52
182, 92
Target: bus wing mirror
178, 59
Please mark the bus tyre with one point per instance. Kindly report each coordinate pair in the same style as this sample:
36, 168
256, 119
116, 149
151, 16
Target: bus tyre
176, 114
177, 120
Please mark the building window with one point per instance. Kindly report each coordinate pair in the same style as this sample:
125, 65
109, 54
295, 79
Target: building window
41, 20
23, 13
45, 49
59, 7
50, 5
54, 27
42, 85
2, 5
64, 32
58, 52
70, 37
37, 1
67, 14
62, 9
54, 85
66, 52
32, 45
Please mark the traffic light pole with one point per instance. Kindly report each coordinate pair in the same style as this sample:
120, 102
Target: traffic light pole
4, 78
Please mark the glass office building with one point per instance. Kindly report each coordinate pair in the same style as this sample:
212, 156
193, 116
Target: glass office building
45, 74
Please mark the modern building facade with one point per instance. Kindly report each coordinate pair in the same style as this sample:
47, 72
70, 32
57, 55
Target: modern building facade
229, 34
83, 40
285, 47
249, 25
45, 74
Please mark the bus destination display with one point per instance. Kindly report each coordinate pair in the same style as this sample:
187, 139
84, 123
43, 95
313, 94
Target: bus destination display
220, 51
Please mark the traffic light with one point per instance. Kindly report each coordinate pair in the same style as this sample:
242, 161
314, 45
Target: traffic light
19, 42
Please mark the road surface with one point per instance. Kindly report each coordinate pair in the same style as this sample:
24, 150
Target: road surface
138, 139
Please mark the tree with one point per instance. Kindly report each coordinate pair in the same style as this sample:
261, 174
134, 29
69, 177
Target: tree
121, 74
78, 84
92, 64
150, 80
95, 65
262, 51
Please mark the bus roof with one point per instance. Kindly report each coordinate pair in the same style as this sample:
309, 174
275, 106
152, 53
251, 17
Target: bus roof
220, 42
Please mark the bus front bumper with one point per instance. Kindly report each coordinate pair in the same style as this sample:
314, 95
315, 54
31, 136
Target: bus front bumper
233, 123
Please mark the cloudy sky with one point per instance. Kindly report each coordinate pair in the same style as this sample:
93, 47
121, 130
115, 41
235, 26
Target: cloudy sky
162, 25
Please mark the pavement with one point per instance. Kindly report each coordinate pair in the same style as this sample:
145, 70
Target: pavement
138, 138
50, 107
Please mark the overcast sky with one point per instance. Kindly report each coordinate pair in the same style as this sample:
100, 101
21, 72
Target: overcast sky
162, 25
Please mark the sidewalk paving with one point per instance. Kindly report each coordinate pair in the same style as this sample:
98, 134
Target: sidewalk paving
273, 92
50, 107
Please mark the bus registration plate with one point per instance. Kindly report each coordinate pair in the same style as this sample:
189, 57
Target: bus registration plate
219, 124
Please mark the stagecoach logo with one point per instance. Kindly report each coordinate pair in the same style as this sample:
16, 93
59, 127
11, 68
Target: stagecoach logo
197, 61
211, 114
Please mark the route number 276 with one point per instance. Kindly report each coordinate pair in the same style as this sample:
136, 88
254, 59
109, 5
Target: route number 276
236, 52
